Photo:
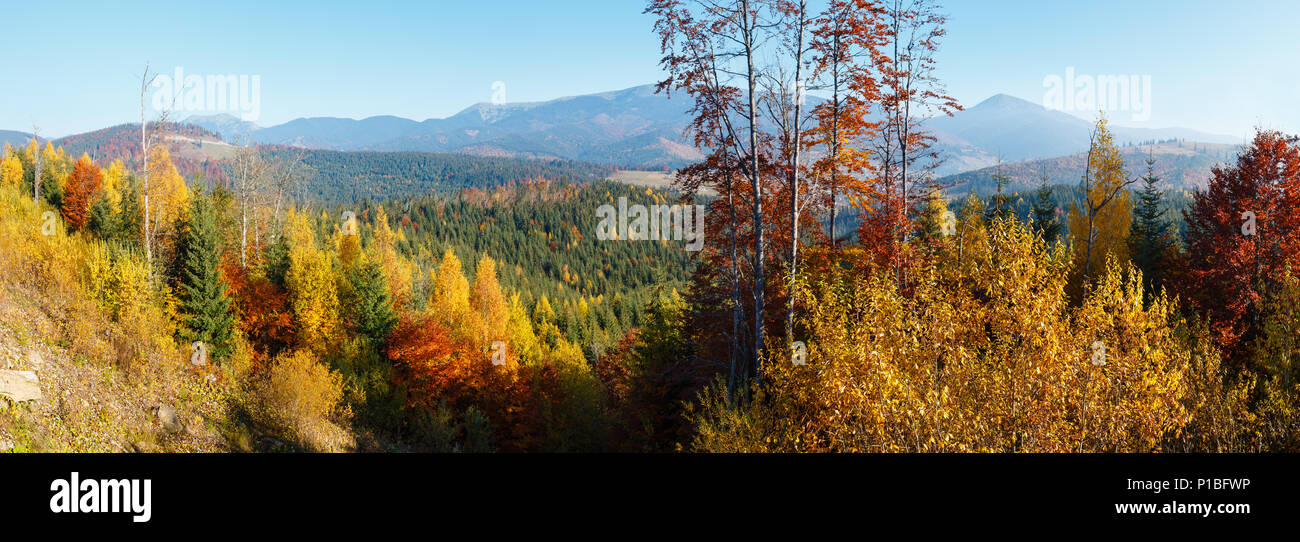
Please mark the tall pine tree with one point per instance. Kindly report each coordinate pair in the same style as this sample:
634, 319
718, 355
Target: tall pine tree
1044, 214
1149, 237
205, 302
374, 308
999, 202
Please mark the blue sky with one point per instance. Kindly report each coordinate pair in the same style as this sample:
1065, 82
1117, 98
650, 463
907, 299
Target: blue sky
1215, 66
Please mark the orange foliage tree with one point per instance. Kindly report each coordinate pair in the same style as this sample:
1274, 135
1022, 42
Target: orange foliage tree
263, 308
429, 362
436, 368
82, 186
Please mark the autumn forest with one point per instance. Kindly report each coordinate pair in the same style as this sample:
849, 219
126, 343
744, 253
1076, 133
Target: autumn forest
847, 296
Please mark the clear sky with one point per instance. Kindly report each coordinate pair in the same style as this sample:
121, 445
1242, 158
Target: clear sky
1216, 66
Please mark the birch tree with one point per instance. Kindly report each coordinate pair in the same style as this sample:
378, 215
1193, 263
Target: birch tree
712, 53
146, 81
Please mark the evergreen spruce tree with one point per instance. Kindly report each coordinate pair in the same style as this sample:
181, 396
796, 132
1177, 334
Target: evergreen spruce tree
205, 302
277, 260
374, 308
1044, 214
1000, 202
1149, 236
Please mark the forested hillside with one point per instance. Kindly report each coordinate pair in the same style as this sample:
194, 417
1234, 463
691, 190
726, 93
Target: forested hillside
470, 320
540, 234
122, 142
330, 176
1182, 165
337, 176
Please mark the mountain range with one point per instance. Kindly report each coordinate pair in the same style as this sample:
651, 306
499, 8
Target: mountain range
633, 127
639, 129
636, 128
14, 138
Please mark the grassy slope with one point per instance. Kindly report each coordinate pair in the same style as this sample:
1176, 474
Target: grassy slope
92, 401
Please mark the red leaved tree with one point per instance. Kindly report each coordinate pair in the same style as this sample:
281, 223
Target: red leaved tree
429, 362
1242, 231
902, 148
265, 317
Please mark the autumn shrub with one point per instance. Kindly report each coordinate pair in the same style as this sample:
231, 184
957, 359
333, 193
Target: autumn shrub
726, 426
377, 400
1275, 364
988, 356
301, 397
1219, 401
118, 278
240, 364
265, 317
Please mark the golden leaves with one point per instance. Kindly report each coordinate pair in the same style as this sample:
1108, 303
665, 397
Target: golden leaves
986, 357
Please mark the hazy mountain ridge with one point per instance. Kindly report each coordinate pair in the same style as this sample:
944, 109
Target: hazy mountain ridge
1181, 165
1018, 130
637, 127
633, 126
14, 137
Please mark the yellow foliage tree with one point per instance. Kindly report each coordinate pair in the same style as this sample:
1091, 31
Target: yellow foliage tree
543, 312
11, 172
1099, 224
168, 198
302, 397
114, 182
488, 305
312, 285
992, 358
55, 164
396, 269
1138, 370
348, 246
450, 301
520, 335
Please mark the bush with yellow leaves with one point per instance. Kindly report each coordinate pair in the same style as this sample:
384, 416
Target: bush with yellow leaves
302, 397
987, 355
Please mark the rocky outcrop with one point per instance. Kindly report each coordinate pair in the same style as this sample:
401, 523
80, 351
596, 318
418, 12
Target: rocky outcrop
19, 386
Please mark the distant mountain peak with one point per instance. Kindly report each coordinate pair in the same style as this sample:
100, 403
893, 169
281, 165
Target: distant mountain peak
1007, 101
